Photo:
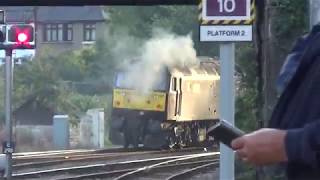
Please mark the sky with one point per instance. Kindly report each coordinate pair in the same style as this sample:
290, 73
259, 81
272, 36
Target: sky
18, 53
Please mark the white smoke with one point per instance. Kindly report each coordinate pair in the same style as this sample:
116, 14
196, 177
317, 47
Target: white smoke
163, 50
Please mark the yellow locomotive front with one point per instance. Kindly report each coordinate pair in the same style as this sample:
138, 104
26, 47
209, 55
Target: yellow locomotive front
134, 100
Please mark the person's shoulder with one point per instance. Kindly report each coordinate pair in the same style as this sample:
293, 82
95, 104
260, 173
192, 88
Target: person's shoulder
306, 38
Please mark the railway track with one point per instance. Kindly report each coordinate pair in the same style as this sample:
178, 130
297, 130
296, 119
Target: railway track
121, 169
49, 155
29, 157
63, 161
174, 168
202, 171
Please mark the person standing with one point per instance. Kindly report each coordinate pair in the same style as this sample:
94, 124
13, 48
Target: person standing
293, 135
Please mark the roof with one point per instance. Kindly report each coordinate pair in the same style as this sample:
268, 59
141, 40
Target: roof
206, 66
18, 14
55, 13
77, 13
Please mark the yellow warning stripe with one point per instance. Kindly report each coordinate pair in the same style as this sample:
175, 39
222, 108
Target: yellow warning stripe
237, 22
253, 5
200, 10
200, 6
200, 18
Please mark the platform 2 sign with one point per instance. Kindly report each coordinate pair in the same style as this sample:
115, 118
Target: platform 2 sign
225, 20
226, 33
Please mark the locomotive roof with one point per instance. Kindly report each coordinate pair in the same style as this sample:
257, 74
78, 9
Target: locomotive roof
207, 66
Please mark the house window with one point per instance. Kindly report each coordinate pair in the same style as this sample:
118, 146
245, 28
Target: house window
68, 32
58, 32
89, 32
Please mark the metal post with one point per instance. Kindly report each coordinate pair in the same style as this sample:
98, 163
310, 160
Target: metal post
227, 106
314, 11
8, 110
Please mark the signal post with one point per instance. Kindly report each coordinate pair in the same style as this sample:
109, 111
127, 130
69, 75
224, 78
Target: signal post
226, 22
8, 145
15, 36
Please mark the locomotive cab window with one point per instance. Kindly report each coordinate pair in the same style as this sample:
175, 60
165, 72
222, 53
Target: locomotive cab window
123, 80
174, 84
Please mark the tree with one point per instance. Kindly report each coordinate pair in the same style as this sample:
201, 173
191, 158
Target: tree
51, 80
139, 22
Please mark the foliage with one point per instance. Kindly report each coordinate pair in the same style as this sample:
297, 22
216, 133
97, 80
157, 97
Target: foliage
140, 22
247, 88
77, 104
290, 21
51, 81
245, 114
244, 171
36, 78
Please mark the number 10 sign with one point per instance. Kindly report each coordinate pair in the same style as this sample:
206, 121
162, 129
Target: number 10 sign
226, 10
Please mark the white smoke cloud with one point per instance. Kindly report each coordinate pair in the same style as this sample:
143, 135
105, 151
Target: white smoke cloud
163, 50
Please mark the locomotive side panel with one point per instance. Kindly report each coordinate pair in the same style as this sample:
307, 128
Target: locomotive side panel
198, 99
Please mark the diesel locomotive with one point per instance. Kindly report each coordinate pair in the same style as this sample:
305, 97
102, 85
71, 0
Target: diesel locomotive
176, 112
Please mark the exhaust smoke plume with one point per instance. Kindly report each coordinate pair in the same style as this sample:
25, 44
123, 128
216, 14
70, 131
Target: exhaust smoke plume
163, 50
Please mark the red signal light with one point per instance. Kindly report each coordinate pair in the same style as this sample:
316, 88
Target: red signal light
22, 37
21, 34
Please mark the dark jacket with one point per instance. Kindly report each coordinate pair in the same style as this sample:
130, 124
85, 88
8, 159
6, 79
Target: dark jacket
298, 111
293, 59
